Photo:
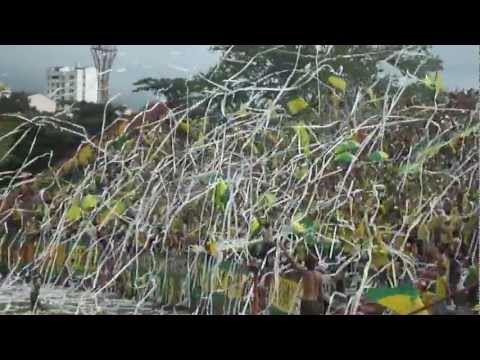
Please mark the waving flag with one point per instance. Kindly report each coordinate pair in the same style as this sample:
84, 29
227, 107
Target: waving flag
401, 300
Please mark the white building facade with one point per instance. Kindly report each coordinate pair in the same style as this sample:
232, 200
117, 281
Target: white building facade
73, 84
42, 103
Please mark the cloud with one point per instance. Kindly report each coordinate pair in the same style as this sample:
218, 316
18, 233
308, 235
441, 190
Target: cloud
179, 68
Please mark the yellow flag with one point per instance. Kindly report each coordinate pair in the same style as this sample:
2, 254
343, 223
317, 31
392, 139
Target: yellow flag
338, 83
74, 213
297, 105
85, 155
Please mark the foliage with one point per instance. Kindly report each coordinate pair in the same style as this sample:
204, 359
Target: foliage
267, 66
16, 103
58, 138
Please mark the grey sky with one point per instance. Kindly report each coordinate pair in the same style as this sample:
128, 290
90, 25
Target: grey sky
461, 65
23, 66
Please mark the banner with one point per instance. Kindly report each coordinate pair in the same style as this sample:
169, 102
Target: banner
232, 284
225, 279
83, 258
285, 297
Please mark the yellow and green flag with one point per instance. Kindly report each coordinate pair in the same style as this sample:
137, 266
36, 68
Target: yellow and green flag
401, 300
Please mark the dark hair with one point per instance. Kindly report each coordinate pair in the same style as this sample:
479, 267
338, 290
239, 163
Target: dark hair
310, 262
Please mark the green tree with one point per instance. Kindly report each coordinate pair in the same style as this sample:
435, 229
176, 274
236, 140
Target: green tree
90, 116
266, 66
172, 89
16, 103
244, 69
47, 137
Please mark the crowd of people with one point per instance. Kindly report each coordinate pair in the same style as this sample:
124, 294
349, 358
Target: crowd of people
446, 279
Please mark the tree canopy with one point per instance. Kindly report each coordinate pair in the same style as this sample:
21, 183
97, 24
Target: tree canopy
47, 136
16, 103
301, 69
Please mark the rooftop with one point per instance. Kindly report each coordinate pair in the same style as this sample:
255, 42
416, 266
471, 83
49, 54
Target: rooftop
68, 68
40, 96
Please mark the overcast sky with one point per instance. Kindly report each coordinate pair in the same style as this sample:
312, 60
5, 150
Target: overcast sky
23, 66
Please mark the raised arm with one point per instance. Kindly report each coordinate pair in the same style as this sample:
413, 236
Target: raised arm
292, 261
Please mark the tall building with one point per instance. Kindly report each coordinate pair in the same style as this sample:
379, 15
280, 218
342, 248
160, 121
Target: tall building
73, 84
103, 58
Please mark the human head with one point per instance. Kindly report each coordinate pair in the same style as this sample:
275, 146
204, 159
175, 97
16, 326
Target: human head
422, 285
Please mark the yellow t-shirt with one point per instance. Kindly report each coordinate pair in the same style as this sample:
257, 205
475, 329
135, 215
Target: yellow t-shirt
446, 262
441, 287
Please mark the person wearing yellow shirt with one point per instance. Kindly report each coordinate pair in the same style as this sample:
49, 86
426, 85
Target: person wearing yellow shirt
442, 291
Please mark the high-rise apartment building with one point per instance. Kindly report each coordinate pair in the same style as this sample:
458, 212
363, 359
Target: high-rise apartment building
73, 84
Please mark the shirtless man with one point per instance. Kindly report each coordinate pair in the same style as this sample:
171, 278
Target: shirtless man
312, 300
